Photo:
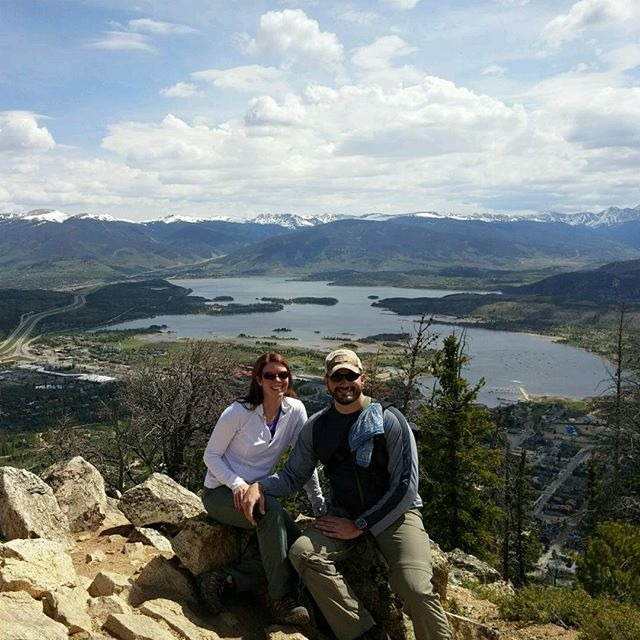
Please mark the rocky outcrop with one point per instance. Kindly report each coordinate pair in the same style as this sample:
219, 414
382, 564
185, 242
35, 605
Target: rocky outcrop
79, 490
465, 568
29, 509
160, 500
42, 596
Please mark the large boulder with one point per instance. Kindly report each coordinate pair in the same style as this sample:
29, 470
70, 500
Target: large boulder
79, 489
29, 509
70, 607
179, 618
35, 566
161, 578
203, 545
160, 500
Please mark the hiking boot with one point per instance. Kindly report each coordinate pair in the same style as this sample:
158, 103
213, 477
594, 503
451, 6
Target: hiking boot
290, 611
374, 633
213, 587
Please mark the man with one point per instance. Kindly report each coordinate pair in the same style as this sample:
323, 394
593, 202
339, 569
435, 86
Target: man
370, 458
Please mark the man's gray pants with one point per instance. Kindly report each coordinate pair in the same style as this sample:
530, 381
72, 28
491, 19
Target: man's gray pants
405, 547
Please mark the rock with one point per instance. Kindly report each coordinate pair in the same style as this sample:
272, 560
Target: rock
440, 566
101, 607
467, 568
35, 566
68, 606
108, 583
28, 508
79, 489
466, 629
136, 627
277, 632
23, 619
202, 546
160, 578
134, 550
179, 618
97, 555
151, 537
160, 500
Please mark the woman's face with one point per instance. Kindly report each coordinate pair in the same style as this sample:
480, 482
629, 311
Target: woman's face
274, 380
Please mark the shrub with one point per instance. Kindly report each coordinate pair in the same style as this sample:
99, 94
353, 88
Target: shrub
542, 604
618, 622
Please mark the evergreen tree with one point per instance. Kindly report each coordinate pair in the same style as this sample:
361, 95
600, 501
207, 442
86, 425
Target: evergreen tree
460, 460
610, 564
520, 547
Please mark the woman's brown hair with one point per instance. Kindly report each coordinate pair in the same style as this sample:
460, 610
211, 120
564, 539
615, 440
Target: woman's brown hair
254, 396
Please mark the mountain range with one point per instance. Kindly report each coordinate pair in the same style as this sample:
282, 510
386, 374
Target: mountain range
50, 248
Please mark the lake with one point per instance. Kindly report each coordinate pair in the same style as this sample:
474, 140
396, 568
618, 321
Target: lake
513, 364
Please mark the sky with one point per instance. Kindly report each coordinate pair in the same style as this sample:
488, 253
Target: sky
145, 108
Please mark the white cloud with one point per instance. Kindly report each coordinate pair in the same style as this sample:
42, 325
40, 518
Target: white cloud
160, 28
265, 111
250, 78
180, 90
588, 13
401, 4
380, 54
295, 37
19, 132
123, 41
494, 70
361, 18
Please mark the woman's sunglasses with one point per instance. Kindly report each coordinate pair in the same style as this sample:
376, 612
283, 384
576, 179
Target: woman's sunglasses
282, 375
351, 376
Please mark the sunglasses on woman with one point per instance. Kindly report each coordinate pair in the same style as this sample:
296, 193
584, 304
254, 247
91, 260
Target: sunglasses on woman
281, 375
351, 376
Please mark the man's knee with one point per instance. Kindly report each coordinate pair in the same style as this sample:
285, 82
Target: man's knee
300, 551
408, 582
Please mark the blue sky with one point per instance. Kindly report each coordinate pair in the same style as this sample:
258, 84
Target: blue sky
141, 109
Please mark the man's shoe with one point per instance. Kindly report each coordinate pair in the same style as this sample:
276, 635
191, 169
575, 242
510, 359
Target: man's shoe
374, 633
213, 587
289, 611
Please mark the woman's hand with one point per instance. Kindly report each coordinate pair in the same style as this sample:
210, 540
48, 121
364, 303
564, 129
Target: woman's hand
335, 527
238, 495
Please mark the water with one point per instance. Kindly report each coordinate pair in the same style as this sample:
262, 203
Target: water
513, 364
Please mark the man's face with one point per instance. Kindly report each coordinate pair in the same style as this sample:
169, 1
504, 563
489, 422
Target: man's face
343, 390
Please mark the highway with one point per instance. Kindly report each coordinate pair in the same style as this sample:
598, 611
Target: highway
16, 345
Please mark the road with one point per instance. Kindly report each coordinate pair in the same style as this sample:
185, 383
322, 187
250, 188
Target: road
17, 344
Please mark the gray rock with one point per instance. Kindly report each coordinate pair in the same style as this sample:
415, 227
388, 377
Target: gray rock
161, 578
79, 489
465, 568
29, 509
202, 546
151, 537
108, 583
160, 500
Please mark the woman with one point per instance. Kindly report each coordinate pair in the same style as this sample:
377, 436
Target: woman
247, 442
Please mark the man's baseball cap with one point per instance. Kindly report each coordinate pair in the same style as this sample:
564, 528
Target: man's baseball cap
342, 359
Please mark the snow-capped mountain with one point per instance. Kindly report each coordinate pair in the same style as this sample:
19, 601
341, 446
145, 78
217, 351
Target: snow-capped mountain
293, 220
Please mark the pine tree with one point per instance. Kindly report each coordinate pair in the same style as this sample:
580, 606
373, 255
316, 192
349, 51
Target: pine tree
460, 460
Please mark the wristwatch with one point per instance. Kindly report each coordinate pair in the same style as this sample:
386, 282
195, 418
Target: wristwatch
361, 523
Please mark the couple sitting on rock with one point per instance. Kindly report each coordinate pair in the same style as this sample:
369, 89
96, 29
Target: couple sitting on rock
370, 458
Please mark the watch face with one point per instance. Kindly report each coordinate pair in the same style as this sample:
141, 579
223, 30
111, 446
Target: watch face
361, 523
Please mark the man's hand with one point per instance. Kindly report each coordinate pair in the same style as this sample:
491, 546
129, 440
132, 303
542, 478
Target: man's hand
252, 496
334, 527
238, 494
